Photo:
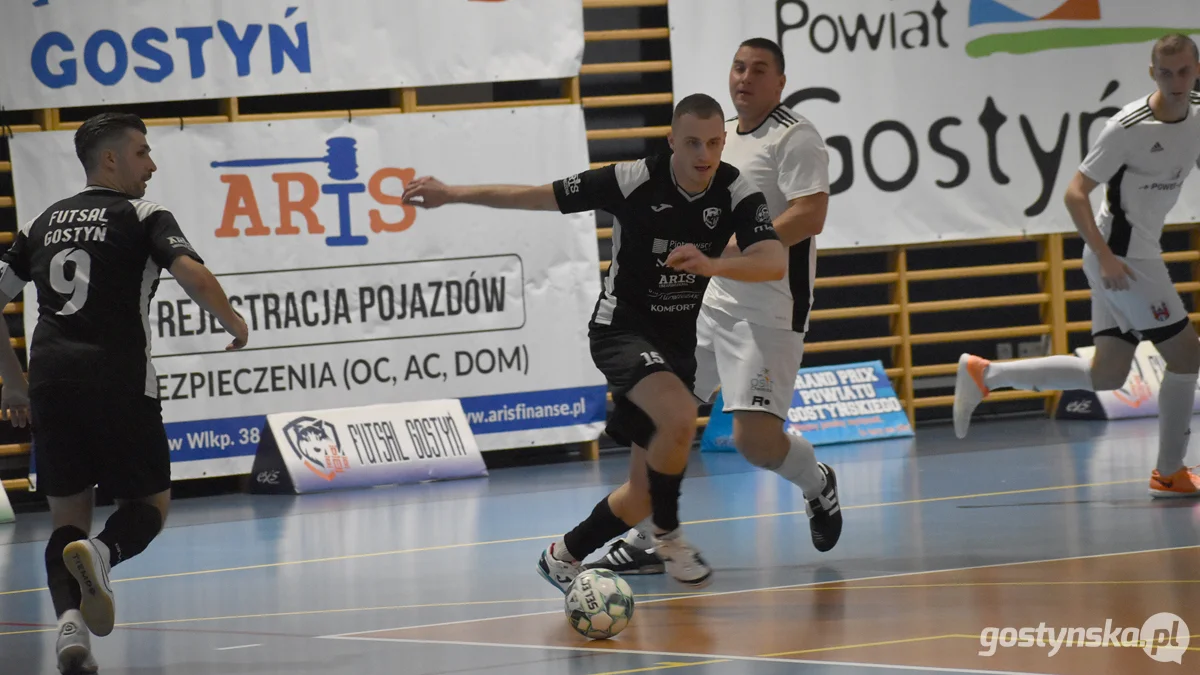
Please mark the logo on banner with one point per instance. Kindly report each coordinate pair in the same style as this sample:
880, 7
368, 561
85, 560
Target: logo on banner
1020, 11
316, 444
1136, 390
1080, 407
986, 12
299, 192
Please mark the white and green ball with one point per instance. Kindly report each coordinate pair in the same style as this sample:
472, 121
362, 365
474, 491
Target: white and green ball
599, 604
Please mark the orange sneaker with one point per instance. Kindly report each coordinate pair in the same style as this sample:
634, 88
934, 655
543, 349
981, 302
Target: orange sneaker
969, 391
1182, 483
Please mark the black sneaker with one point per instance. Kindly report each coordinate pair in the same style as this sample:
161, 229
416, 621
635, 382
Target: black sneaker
825, 513
625, 559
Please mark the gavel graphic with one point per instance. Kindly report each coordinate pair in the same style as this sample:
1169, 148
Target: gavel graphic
342, 158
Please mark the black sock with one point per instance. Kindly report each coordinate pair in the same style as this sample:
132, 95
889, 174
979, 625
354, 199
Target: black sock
664, 498
594, 532
64, 590
130, 530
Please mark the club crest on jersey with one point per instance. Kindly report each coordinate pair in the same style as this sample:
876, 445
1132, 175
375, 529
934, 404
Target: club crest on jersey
712, 215
1161, 313
316, 443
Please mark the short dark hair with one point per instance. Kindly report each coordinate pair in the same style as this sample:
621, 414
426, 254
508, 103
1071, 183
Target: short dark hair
769, 45
700, 105
1172, 44
101, 130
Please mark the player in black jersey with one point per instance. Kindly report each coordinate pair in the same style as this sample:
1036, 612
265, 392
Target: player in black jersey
674, 215
92, 393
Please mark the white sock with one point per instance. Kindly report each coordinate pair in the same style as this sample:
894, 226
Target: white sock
800, 467
558, 550
1049, 373
641, 536
1176, 399
71, 616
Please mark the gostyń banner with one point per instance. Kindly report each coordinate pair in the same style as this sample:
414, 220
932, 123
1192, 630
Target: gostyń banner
944, 120
60, 53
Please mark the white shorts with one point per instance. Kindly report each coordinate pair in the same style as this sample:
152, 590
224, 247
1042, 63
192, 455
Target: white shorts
1149, 309
754, 366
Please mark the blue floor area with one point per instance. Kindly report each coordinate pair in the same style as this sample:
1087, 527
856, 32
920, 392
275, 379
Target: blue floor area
243, 584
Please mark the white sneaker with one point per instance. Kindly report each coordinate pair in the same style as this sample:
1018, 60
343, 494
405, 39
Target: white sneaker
560, 574
74, 646
682, 561
969, 391
86, 561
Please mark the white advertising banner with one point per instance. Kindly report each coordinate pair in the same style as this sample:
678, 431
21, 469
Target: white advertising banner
390, 444
59, 53
352, 297
1138, 397
945, 120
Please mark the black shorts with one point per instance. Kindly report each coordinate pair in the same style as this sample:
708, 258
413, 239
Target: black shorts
626, 357
86, 437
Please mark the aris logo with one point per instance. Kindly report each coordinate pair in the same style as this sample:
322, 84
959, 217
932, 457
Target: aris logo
340, 180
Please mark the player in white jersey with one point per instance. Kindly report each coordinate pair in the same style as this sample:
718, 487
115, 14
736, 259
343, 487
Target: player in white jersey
750, 336
1143, 155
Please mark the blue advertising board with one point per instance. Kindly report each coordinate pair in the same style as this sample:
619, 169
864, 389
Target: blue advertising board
830, 404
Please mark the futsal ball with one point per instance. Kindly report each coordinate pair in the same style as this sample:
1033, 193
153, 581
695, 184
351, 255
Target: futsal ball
599, 604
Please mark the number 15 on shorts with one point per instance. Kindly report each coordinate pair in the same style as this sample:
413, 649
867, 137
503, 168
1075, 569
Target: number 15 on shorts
652, 358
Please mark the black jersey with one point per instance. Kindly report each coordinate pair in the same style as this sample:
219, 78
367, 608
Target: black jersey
95, 260
652, 216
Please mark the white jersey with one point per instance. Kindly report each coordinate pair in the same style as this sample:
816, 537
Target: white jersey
1144, 163
785, 157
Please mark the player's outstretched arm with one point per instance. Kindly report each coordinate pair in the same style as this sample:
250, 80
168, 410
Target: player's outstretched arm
430, 193
203, 287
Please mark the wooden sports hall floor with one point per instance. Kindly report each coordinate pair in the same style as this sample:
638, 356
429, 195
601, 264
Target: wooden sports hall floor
1029, 524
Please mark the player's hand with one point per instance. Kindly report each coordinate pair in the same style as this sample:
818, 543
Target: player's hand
240, 332
1115, 273
688, 258
426, 192
14, 402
